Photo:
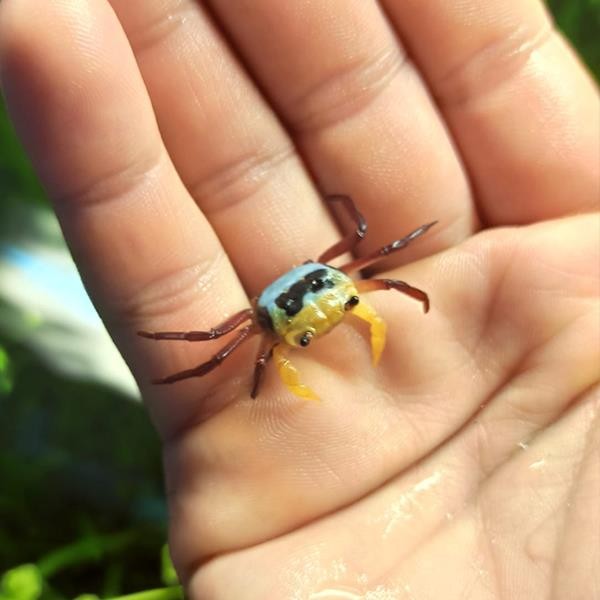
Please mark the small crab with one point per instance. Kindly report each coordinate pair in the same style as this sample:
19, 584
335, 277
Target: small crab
303, 304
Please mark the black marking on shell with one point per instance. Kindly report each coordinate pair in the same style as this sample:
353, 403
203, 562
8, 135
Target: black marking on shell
292, 300
264, 318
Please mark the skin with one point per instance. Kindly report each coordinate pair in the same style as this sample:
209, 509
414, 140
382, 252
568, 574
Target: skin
184, 169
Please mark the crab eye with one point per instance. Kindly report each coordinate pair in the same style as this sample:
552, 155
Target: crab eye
305, 339
352, 301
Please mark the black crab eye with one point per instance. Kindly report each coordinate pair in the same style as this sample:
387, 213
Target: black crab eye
305, 339
352, 301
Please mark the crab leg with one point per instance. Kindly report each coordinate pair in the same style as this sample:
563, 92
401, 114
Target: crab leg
366, 261
215, 361
290, 376
201, 336
373, 285
265, 352
349, 241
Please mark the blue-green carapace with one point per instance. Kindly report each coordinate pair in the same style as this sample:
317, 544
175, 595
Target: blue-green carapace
302, 305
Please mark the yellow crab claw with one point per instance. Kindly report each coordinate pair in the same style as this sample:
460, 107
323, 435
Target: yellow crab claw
367, 313
290, 376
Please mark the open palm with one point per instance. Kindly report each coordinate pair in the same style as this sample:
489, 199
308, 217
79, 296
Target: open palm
185, 145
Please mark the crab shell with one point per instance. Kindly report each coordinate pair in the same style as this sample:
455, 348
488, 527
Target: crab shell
306, 302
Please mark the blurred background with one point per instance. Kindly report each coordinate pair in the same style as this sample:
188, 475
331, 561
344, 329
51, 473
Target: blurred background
81, 502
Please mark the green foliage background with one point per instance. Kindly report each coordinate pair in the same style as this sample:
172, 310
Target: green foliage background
81, 502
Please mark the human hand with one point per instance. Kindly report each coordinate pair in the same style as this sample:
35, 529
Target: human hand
186, 176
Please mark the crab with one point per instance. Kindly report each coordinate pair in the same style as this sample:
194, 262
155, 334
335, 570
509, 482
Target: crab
302, 305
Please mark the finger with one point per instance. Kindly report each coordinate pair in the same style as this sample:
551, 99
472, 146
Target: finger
523, 111
228, 146
358, 111
148, 256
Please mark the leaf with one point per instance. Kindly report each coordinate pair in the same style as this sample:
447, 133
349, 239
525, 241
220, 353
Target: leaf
22, 583
6, 378
168, 573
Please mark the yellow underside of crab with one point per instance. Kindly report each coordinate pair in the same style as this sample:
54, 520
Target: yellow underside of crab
318, 316
289, 374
